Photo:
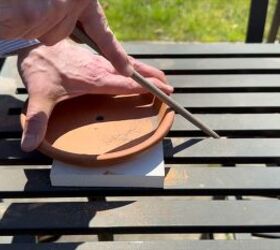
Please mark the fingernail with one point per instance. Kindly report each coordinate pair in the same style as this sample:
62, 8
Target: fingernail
28, 142
170, 88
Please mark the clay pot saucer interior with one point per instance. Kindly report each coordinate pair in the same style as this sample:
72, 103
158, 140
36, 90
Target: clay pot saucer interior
95, 129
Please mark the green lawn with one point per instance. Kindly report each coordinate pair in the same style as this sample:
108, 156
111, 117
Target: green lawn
180, 20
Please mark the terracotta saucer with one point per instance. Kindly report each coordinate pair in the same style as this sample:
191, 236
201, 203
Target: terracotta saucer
96, 130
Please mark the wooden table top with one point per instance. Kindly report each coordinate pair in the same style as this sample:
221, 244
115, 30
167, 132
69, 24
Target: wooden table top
211, 186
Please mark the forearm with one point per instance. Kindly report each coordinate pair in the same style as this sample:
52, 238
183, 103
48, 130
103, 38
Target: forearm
8, 47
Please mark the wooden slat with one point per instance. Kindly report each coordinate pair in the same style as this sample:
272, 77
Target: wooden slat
209, 101
7, 85
153, 245
156, 48
9, 70
153, 216
226, 124
205, 100
228, 100
231, 125
264, 124
184, 150
215, 64
189, 83
9, 100
11, 154
232, 122
224, 81
176, 150
223, 178
232, 102
180, 180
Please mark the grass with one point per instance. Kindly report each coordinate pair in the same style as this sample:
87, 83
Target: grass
180, 20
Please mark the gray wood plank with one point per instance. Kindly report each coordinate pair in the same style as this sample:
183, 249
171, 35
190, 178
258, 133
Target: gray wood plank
153, 216
188, 49
180, 180
232, 125
202, 100
219, 82
223, 178
215, 64
227, 124
210, 150
11, 154
228, 100
205, 101
10, 73
231, 122
8, 97
223, 81
176, 150
153, 245
184, 147
224, 122
9, 70
169, 48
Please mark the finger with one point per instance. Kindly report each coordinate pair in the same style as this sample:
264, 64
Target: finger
37, 116
168, 89
95, 24
147, 70
117, 84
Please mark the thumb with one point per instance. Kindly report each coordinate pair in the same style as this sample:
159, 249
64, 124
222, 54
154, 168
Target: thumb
35, 126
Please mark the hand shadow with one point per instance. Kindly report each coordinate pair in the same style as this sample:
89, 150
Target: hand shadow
170, 150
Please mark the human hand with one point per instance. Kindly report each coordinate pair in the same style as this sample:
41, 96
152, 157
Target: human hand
52, 74
52, 20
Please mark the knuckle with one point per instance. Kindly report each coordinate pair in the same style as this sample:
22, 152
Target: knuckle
27, 63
